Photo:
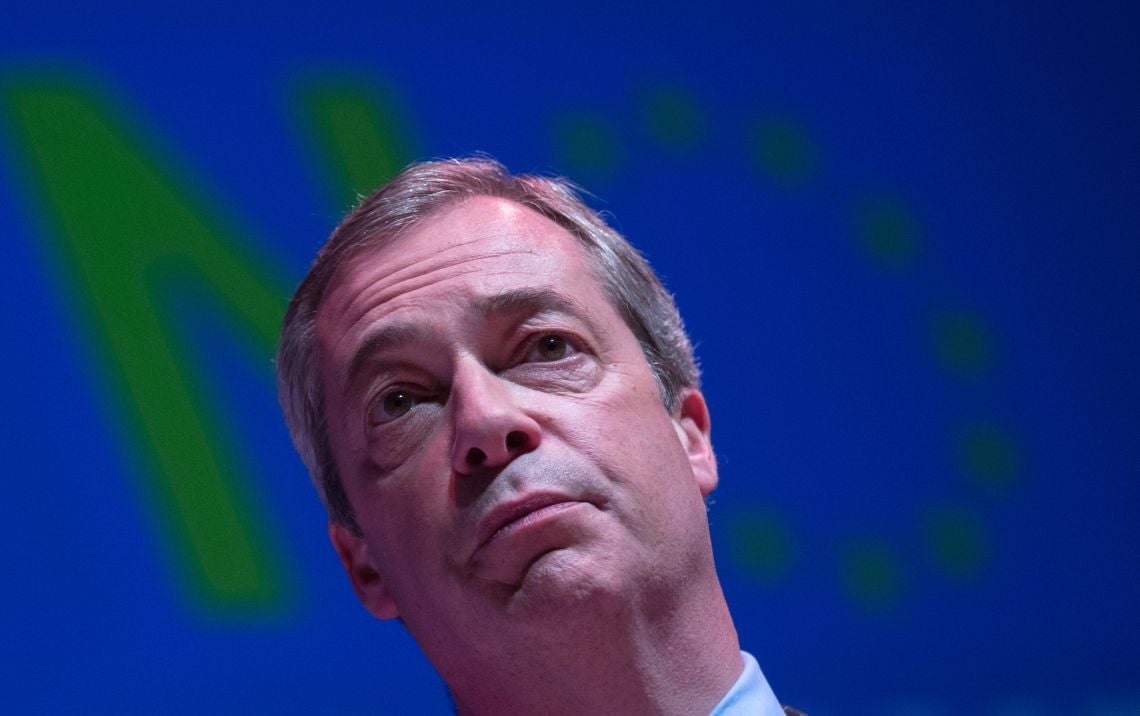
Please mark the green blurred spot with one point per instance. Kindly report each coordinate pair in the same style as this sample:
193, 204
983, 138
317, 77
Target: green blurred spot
358, 131
988, 456
587, 144
871, 573
783, 151
121, 227
961, 344
761, 545
956, 541
673, 119
887, 232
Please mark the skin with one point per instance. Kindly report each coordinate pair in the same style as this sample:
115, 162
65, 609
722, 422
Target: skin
527, 505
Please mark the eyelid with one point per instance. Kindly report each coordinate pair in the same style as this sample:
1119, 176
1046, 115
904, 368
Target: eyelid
574, 344
374, 402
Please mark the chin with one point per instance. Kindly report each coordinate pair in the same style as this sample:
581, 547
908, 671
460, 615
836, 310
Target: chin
564, 580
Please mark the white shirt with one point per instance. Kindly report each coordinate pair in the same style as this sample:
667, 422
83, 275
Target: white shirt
750, 695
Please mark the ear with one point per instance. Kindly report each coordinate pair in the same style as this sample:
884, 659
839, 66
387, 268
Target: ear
365, 578
693, 428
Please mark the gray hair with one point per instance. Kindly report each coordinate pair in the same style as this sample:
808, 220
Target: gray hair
418, 192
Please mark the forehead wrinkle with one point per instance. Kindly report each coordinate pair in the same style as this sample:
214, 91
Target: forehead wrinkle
412, 277
456, 245
367, 288
376, 296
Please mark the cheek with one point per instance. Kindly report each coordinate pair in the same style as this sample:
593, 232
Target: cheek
401, 504
628, 434
589, 421
405, 549
402, 447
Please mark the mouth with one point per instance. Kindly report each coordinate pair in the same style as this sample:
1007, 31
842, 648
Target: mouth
516, 514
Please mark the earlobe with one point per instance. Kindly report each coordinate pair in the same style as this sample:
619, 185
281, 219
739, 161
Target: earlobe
366, 580
694, 430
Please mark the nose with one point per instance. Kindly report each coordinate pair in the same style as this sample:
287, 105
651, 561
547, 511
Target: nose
491, 427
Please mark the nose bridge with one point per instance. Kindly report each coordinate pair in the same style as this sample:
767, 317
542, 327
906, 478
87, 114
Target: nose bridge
490, 426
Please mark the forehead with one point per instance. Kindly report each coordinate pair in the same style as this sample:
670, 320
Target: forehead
479, 247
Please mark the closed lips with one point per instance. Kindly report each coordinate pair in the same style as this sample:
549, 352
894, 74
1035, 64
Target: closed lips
518, 513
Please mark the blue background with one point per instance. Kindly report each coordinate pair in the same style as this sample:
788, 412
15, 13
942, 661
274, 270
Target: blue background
1006, 139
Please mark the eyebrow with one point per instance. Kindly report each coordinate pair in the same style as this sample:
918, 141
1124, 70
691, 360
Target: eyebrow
528, 300
380, 341
521, 301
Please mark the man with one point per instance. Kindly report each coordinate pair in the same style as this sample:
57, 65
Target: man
500, 408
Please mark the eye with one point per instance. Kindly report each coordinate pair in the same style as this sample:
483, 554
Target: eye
392, 405
551, 347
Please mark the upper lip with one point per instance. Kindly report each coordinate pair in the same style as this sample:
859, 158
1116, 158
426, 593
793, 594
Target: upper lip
511, 510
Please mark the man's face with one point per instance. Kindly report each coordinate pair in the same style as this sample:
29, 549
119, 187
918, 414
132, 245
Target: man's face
500, 436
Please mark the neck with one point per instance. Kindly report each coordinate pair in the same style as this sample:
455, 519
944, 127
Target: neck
667, 653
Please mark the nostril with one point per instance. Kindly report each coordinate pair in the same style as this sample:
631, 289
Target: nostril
475, 456
515, 440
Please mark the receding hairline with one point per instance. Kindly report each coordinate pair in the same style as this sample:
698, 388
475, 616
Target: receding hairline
378, 241
533, 299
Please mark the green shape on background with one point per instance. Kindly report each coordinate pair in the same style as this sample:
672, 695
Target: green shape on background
988, 456
122, 230
587, 144
887, 232
961, 344
673, 118
871, 573
761, 544
783, 150
360, 137
956, 541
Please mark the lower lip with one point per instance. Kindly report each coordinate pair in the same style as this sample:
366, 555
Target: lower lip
533, 518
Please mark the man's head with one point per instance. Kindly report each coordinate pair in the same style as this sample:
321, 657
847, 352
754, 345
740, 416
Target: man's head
498, 401
419, 192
